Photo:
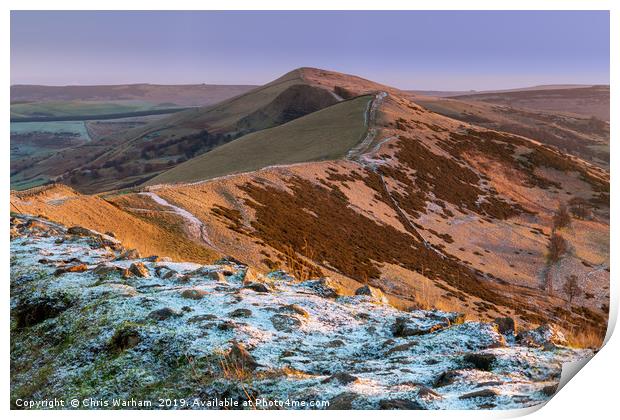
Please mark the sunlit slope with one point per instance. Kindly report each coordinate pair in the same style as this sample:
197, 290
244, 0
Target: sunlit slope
323, 135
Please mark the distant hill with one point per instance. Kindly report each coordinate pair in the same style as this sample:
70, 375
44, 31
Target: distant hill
591, 101
323, 135
182, 95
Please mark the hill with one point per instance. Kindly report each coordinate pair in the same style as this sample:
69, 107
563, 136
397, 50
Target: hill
436, 212
585, 137
136, 155
182, 95
323, 135
590, 101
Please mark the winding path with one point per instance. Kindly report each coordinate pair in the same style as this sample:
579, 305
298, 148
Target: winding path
194, 226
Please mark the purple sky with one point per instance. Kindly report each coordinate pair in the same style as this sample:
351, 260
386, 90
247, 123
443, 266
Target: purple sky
411, 50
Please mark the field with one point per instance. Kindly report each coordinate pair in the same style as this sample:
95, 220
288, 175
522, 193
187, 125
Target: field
76, 108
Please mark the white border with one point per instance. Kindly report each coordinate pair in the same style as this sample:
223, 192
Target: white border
591, 396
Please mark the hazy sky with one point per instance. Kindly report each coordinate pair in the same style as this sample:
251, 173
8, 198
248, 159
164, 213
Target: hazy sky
412, 50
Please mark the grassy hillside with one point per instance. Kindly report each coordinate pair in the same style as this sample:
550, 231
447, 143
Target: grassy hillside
323, 135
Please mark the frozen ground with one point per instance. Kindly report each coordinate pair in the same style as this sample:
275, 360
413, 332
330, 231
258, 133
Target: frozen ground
90, 320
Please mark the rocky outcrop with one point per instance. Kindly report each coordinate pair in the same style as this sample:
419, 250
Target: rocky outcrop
193, 331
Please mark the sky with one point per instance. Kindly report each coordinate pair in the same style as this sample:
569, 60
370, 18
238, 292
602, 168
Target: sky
434, 50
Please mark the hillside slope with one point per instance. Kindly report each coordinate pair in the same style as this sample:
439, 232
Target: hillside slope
323, 135
590, 101
585, 137
132, 157
436, 212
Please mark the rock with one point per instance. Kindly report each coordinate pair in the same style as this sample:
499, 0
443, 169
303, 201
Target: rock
37, 310
130, 254
335, 343
153, 258
294, 308
163, 314
110, 234
427, 393
240, 313
229, 260
401, 347
257, 287
483, 393
342, 401
105, 269
373, 293
285, 323
227, 326
399, 404
126, 274
251, 276
125, 337
324, 287
201, 318
165, 272
217, 276
77, 268
544, 335
505, 325
139, 269
241, 358
481, 361
195, 294
342, 377
447, 378
80, 231
401, 328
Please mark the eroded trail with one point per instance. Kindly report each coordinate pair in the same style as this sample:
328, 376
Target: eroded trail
194, 226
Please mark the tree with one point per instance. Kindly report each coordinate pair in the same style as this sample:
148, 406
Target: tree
561, 218
556, 248
572, 288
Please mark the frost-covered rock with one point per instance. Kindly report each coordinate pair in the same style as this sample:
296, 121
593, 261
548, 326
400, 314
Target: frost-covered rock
545, 335
95, 334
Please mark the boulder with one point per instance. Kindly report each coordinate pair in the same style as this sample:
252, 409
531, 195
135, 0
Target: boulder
295, 309
376, 295
125, 337
251, 276
480, 361
401, 328
343, 401
164, 314
257, 287
285, 323
240, 313
324, 287
130, 254
447, 378
195, 294
37, 310
505, 325
104, 269
76, 268
241, 358
399, 404
80, 231
483, 393
342, 377
138, 269
548, 335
